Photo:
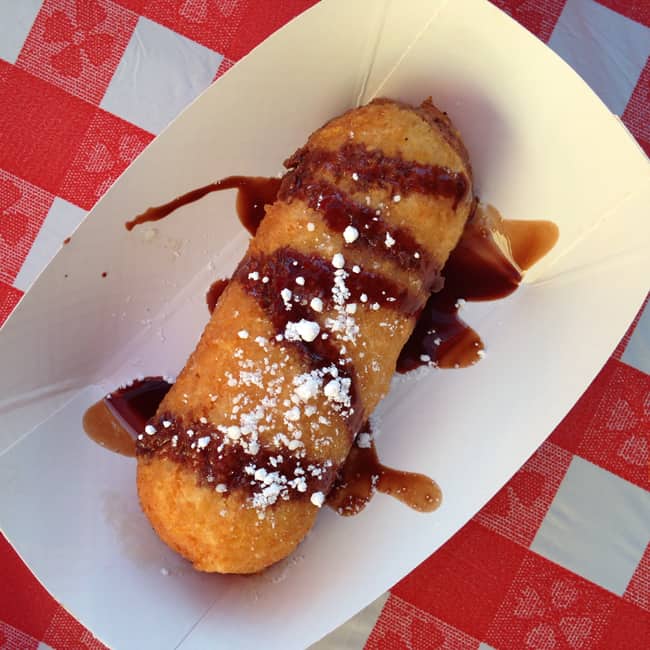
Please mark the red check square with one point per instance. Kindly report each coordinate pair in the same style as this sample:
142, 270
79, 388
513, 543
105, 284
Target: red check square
618, 434
550, 607
230, 27
107, 149
11, 637
475, 565
213, 23
23, 602
77, 45
629, 629
64, 631
610, 425
9, 297
402, 625
22, 210
224, 66
41, 127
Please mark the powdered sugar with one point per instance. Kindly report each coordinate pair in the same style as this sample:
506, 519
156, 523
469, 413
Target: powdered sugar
318, 499
302, 330
350, 234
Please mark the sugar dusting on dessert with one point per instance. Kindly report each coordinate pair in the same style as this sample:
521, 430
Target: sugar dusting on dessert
264, 429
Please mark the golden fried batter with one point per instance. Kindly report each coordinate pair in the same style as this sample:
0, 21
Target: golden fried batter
303, 342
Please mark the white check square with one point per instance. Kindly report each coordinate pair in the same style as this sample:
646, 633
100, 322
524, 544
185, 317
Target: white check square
158, 75
61, 221
17, 18
598, 526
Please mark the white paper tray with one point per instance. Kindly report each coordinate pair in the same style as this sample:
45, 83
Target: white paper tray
542, 146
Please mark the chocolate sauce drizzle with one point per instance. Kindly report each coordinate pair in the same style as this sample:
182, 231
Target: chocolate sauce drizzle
373, 169
282, 267
339, 211
119, 418
487, 264
471, 273
222, 463
253, 194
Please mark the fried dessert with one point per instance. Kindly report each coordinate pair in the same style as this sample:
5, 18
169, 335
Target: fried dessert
303, 342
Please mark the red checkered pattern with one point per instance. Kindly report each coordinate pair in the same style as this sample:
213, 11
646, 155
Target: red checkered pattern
22, 210
549, 607
485, 585
517, 510
465, 582
77, 44
9, 297
402, 625
108, 147
610, 425
232, 27
538, 16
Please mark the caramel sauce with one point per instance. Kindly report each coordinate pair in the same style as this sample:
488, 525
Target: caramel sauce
362, 475
101, 425
529, 240
116, 420
487, 264
253, 194
214, 293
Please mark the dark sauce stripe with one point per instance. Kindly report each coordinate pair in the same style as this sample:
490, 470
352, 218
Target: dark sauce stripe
339, 211
224, 464
285, 264
374, 169
281, 269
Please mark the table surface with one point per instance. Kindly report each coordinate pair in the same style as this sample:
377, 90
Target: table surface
514, 577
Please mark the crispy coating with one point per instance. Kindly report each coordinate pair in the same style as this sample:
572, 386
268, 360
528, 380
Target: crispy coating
218, 509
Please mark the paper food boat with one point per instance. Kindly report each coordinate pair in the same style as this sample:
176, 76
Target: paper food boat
542, 146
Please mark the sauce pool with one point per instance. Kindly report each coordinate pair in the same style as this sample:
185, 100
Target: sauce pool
487, 264
363, 474
116, 420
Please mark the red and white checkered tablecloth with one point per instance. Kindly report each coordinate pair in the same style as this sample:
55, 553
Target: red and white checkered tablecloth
560, 557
